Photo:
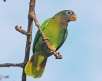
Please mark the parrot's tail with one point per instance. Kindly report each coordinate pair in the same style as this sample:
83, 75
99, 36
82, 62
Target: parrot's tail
35, 71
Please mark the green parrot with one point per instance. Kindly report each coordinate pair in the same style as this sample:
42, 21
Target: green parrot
55, 29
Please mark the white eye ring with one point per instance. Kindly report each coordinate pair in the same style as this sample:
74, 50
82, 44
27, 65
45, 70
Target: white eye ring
68, 12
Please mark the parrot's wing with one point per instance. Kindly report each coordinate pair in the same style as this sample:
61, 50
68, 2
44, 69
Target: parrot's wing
64, 38
43, 26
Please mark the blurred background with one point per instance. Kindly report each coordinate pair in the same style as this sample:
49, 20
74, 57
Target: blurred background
82, 51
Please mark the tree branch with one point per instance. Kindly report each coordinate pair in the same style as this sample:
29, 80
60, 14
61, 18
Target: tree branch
19, 29
28, 42
29, 37
1, 76
12, 64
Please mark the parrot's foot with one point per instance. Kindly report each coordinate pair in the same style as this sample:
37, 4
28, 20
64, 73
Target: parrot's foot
56, 54
51, 48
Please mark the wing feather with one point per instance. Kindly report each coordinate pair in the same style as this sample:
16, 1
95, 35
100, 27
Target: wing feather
64, 38
43, 26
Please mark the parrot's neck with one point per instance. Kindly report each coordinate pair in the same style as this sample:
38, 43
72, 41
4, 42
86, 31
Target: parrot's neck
62, 21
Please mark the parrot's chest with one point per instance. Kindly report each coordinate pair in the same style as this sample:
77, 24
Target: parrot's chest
55, 33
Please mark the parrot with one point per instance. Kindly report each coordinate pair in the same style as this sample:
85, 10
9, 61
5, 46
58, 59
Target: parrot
56, 29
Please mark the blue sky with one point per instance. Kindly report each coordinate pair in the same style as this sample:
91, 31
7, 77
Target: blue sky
82, 51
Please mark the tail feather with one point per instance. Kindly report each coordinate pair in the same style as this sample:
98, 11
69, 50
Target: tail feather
28, 67
38, 70
35, 71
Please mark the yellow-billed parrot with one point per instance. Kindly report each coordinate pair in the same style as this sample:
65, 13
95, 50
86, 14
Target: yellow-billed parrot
56, 30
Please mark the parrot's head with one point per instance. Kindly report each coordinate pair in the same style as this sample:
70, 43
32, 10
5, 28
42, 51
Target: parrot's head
65, 16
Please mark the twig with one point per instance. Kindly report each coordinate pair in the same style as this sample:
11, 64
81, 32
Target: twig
19, 28
1, 76
12, 64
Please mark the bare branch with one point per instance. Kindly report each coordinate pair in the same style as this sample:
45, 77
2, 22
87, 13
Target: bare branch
19, 28
12, 64
1, 76
29, 37
4, 76
28, 42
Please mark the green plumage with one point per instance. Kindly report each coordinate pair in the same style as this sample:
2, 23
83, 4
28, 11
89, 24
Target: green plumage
57, 35
55, 29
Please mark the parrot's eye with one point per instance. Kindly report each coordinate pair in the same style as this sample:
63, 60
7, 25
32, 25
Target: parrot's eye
69, 12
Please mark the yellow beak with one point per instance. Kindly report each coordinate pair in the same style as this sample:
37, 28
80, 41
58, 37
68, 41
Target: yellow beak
73, 17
